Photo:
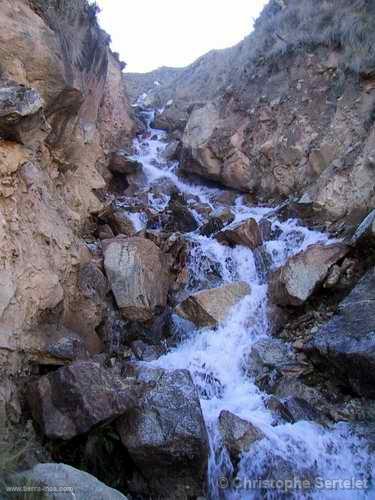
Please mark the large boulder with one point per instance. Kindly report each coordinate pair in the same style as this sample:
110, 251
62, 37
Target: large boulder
296, 281
73, 399
245, 233
238, 435
72, 483
210, 307
181, 218
165, 435
346, 344
212, 148
138, 276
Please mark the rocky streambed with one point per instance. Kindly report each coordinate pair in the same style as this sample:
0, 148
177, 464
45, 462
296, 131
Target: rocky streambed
229, 370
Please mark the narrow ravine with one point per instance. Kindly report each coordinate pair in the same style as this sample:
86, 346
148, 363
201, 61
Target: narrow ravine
218, 357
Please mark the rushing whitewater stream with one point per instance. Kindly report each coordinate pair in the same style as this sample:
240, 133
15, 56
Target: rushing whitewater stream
217, 357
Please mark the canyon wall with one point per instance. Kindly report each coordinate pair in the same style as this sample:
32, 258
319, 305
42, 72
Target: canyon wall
63, 109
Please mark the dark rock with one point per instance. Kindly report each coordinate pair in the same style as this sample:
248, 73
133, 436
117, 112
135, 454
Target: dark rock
122, 163
301, 409
92, 282
365, 232
121, 224
346, 344
263, 262
268, 360
238, 435
73, 399
279, 409
19, 106
104, 232
165, 435
68, 349
145, 352
311, 214
265, 227
217, 223
172, 151
181, 219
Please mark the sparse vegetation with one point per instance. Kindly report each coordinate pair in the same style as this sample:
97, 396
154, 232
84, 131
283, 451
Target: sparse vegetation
11, 455
287, 26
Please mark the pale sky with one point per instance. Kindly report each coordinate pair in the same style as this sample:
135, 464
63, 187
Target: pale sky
149, 34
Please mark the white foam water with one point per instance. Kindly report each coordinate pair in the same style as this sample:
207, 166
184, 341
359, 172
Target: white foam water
216, 358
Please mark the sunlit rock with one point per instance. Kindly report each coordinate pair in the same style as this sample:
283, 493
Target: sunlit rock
212, 306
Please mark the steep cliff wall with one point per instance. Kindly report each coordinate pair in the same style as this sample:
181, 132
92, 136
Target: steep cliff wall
55, 141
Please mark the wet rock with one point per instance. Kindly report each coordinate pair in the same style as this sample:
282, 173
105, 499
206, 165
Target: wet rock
266, 230
210, 307
203, 209
301, 409
18, 105
175, 218
122, 163
217, 223
138, 276
279, 410
268, 360
70, 401
311, 214
121, 224
180, 218
345, 345
245, 233
145, 352
172, 151
165, 435
92, 282
238, 435
53, 476
295, 282
263, 262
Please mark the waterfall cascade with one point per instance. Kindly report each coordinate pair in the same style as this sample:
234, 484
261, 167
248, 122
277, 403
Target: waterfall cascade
218, 357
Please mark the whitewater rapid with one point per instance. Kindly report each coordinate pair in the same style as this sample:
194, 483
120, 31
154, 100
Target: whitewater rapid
216, 357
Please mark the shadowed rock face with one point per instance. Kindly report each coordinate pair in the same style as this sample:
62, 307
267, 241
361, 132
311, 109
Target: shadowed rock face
72, 400
346, 344
63, 109
165, 433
